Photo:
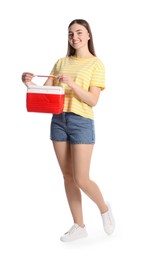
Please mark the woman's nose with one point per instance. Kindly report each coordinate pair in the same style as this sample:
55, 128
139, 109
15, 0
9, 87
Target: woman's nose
74, 36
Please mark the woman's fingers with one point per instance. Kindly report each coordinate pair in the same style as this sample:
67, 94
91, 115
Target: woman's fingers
27, 76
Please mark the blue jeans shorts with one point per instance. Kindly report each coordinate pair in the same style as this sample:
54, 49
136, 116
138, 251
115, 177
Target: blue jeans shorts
73, 128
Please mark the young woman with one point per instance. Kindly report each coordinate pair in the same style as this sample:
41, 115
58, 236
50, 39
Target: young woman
81, 73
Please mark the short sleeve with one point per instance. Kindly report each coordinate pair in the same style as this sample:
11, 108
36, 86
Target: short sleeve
98, 75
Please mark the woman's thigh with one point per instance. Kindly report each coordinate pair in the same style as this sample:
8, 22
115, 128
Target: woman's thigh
63, 154
81, 160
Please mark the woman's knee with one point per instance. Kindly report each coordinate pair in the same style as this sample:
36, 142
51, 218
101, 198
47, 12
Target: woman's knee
67, 175
81, 182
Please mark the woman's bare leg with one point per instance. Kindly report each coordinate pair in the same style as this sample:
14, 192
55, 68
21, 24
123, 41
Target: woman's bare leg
81, 157
63, 153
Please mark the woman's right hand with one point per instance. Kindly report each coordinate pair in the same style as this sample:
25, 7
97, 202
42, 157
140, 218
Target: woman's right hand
27, 78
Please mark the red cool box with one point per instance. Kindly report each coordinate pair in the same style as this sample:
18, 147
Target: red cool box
45, 99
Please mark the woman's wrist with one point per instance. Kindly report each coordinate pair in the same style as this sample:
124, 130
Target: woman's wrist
73, 85
29, 83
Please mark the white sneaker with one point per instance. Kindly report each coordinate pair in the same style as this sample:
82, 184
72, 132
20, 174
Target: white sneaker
108, 220
75, 232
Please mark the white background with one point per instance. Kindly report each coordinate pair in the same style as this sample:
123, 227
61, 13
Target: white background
33, 208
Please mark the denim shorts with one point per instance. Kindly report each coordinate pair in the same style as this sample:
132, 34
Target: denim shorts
73, 128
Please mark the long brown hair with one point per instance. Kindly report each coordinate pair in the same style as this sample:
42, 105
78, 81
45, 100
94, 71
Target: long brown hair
71, 50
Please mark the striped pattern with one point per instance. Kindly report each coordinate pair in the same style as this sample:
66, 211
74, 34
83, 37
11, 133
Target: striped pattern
86, 72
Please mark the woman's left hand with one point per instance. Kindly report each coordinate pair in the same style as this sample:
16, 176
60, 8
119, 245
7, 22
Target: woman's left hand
66, 79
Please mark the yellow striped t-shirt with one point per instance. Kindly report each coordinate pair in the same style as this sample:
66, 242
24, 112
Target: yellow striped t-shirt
85, 72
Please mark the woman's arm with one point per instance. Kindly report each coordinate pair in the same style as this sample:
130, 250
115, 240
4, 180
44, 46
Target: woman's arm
48, 82
90, 97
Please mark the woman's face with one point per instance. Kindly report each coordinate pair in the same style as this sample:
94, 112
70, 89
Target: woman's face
78, 36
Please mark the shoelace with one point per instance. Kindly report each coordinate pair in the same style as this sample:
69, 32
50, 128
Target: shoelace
71, 230
107, 219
